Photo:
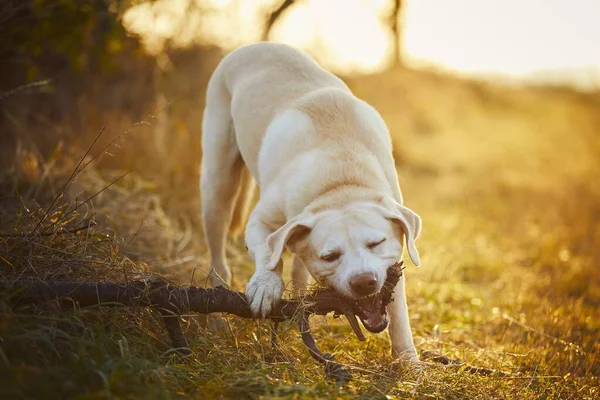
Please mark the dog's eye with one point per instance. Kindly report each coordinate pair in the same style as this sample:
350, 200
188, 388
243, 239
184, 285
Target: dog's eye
372, 245
331, 257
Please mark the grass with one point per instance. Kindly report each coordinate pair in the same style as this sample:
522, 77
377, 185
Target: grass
505, 180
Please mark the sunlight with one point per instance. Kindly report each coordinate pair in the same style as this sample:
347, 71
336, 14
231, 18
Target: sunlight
544, 40
513, 37
358, 40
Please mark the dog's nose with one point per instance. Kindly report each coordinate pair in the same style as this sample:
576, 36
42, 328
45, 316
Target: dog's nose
364, 284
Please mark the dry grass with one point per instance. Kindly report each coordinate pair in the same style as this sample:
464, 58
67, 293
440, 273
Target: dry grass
505, 181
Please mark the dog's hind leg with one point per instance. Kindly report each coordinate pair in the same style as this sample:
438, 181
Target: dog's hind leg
242, 204
219, 184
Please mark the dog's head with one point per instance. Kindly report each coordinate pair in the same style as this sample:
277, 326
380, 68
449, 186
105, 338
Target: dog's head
351, 249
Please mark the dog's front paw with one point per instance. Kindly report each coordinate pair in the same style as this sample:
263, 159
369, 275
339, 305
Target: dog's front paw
264, 292
406, 355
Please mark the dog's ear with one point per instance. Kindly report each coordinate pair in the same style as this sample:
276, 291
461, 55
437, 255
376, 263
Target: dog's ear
293, 230
410, 223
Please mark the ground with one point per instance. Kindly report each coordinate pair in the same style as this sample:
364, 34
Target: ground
505, 180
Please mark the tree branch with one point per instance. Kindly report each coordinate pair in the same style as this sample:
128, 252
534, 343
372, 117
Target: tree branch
172, 301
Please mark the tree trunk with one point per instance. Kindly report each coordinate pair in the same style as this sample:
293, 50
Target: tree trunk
395, 25
274, 16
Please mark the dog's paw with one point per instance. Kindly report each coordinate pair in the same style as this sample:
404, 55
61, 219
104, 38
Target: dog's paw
407, 356
264, 292
408, 361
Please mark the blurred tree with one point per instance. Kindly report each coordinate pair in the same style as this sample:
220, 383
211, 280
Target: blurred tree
42, 36
394, 22
274, 16
68, 52
395, 19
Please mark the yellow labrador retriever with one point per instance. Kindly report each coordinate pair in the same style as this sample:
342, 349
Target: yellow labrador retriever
329, 191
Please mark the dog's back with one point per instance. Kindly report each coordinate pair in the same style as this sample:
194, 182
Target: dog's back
244, 85
259, 80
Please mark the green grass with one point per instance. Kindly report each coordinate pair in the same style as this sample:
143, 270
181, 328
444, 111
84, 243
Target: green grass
509, 278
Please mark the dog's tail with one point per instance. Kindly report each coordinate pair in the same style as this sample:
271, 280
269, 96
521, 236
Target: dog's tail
243, 204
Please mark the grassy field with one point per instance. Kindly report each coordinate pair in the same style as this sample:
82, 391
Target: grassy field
506, 181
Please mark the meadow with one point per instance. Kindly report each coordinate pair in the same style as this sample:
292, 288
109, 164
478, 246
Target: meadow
505, 179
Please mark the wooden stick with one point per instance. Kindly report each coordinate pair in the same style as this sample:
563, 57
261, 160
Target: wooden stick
172, 301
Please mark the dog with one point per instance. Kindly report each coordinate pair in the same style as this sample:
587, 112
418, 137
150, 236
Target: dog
329, 190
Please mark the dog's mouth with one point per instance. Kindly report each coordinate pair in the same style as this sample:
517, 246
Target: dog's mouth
372, 312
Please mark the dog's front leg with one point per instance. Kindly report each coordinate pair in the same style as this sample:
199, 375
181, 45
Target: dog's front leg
403, 346
265, 288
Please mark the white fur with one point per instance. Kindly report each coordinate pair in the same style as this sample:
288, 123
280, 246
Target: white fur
328, 185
